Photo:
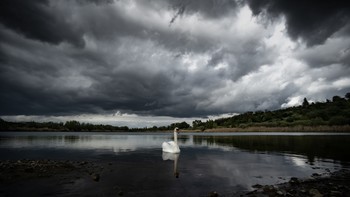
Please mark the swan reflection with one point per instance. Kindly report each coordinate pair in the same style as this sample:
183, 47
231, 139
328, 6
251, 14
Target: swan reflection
174, 157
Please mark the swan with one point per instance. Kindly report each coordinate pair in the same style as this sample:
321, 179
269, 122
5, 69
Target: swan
172, 146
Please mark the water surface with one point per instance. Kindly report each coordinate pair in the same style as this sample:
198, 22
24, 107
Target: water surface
222, 162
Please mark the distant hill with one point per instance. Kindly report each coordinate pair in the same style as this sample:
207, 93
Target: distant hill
329, 113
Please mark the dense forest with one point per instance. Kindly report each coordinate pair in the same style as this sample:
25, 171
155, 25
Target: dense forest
333, 112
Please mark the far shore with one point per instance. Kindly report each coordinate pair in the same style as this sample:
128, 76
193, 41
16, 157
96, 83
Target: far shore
321, 128
345, 128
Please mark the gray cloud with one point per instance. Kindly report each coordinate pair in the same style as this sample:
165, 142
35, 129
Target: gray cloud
334, 51
241, 60
93, 57
207, 8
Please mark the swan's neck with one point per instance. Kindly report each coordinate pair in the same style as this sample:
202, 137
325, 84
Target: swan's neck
175, 137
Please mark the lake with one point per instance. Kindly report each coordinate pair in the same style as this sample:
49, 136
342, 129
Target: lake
227, 163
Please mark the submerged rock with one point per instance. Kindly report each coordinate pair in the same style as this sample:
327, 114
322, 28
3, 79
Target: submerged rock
294, 181
213, 194
315, 193
95, 177
29, 170
315, 175
257, 186
336, 193
280, 192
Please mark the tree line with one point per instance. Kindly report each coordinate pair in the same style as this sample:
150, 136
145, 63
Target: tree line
72, 125
331, 112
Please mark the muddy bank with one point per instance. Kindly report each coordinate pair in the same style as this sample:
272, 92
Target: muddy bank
62, 178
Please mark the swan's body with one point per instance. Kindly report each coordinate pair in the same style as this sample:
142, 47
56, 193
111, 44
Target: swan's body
171, 146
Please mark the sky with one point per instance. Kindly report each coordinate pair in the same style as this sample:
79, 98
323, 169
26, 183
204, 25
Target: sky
155, 62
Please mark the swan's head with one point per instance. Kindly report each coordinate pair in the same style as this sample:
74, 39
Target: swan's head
176, 130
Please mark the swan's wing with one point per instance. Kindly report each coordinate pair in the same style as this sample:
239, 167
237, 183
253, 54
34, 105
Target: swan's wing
171, 143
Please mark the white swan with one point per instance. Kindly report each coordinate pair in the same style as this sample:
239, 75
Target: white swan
171, 147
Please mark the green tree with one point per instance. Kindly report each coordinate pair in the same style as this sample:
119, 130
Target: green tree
339, 120
209, 124
336, 98
347, 95
305, 103
197, 123
73, 125
3, 124
180, 125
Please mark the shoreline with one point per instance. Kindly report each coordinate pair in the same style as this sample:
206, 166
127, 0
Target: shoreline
33, 175
335, 184
321, 128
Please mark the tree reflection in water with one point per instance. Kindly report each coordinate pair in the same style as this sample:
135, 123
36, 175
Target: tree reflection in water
313, 146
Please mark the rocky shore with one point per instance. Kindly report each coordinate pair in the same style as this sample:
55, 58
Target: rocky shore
44, 177
336, 184
48, 177
30, 169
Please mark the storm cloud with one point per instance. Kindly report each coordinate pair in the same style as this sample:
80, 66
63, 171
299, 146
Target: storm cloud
313, 21
169, 58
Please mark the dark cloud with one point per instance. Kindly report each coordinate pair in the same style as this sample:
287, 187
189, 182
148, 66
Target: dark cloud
178, 13
37, 20
214, 58
313, 21
73, 81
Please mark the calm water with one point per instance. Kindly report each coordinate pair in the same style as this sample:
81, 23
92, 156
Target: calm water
225, 162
